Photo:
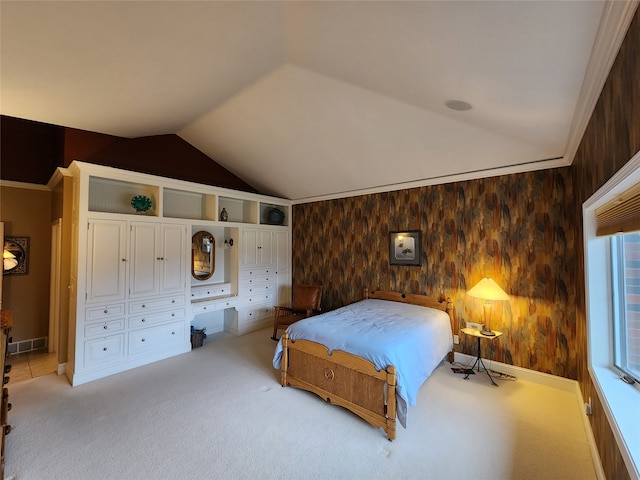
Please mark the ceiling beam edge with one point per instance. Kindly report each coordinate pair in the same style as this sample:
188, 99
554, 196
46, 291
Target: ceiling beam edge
460, 177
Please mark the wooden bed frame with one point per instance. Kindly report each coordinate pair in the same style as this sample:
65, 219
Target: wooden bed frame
348, 380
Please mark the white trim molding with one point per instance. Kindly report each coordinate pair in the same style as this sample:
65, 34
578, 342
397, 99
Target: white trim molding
619, 400
614, 23
28, 186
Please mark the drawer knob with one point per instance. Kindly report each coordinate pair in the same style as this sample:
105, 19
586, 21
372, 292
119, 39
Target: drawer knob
173, 333
105, 327
104, 349
143, 306
142, 320
173, 314
173, 301
142, 340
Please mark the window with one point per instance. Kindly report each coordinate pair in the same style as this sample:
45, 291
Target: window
612, 294
625, 266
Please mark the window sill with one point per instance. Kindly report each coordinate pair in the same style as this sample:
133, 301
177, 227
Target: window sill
620, 402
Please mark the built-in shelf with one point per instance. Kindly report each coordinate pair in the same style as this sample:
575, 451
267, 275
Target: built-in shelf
239, 210
114, 196
189, 205
265, 208
180, 200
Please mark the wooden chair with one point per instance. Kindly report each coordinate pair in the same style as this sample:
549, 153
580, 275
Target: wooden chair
306, 302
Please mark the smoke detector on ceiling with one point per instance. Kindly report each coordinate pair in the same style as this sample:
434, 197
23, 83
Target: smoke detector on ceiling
458, 105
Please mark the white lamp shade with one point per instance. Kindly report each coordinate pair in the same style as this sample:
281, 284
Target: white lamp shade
487, 289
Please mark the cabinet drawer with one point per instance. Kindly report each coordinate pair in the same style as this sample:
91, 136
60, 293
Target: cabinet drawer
102, 328
259, 289
101, 351
256, 272
156, 318
156, 338
208, 291
104, 311
255, 281
260, 298
156, 303
252, 315
227, 303
209, 306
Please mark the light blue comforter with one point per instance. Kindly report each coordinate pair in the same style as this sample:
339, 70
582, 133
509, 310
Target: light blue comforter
412, 338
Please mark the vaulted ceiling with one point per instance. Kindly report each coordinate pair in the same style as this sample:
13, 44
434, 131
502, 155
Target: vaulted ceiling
310, 100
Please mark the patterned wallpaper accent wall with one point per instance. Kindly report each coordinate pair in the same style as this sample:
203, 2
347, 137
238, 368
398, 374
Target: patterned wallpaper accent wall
517, 229
612, 138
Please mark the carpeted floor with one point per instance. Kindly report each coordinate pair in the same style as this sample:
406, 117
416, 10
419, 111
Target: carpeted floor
219, 412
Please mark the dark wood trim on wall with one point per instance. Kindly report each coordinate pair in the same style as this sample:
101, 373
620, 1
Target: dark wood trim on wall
31, 151
611, 139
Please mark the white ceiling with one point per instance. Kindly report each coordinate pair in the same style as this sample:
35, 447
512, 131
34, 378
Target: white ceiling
310, 100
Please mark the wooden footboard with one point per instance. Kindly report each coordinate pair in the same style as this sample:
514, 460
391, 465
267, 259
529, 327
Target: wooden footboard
348, 380
342, 379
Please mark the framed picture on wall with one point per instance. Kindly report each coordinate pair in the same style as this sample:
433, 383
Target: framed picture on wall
405, 248
15, 256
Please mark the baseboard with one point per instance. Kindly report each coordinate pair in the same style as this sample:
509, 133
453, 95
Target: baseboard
548, 380
62, 369
519, 372
595, 455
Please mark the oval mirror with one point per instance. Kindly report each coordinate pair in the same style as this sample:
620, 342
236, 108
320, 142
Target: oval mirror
13, 255
203, 255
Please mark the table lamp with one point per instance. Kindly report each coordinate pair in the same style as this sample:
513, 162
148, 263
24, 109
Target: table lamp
488, 290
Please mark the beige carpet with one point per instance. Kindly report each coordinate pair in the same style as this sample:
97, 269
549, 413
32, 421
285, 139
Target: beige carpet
219, 412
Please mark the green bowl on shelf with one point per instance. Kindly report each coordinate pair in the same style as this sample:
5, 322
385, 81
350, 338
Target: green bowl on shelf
141, 203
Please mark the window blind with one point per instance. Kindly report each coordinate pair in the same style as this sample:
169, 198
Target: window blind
620, 215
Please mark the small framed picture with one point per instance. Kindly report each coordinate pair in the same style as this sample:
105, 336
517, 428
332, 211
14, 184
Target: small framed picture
405, 248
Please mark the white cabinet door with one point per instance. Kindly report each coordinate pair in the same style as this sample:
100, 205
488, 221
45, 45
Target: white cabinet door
158, 259
257, 247
106, 260
143, 275
282, 252
173, 269
283, 268
249, 247
265, 247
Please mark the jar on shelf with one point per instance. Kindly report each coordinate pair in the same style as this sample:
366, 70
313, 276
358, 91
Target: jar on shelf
224, 216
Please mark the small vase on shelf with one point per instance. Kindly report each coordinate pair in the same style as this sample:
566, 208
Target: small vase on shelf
224, 216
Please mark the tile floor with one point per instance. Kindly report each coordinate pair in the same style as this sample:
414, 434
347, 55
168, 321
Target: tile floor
25, 366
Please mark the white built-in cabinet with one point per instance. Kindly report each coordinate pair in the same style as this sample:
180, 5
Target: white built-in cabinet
133, 298
157, 259
257, 247
106, 260
265, 277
